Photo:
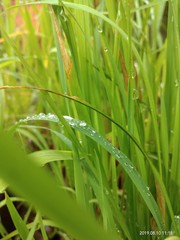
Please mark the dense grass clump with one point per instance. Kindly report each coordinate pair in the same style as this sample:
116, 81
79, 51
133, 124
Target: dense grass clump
89, 119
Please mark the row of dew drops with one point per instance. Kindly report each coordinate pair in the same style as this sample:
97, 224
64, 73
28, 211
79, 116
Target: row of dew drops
83, 127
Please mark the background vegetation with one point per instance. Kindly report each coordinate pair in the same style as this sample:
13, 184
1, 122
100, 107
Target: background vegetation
89, 90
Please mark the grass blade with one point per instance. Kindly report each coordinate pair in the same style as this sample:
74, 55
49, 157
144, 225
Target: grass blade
17, 220
121, 158
26, 178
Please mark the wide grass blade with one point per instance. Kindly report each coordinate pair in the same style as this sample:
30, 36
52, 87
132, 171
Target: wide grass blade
46, 156
17, 220
26, 178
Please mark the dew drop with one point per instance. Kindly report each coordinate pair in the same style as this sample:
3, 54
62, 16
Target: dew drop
21, 120
82, 124
68, 118
161, 85
176, 83
119, 156
146, 1
62, 14
152, 13
52, 117
72, 123
106, 192
99, 29
41, 116
106, 50
135, 94
93, 132
131, 167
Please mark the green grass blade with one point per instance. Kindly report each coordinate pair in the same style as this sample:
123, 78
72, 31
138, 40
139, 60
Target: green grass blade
3, 185
17, 220
125, 163
121, 158
26, 178
46, 156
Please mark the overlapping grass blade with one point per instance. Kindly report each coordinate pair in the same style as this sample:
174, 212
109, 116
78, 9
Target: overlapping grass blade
45, 156
26, 178
122, 158
17, 220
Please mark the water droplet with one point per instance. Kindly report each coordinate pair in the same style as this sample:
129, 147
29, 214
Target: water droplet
93, 132
21, 120
161, 85
41, 116
62, 11
65, 19
52, 117
63, 15
146, 1
106, 50
135, 94
68, 118
99, 29
106, 192
152, 13
149, 194
118, 155
82, 124
133, 75
72, 123
176, 83
131, 167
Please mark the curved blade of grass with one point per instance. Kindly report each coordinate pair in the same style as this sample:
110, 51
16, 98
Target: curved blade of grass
3, 185
126, 164
80, 101
17, 220
33, 228
34, 183
45, 156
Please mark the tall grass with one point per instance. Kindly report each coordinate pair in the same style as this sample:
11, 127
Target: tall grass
113, 65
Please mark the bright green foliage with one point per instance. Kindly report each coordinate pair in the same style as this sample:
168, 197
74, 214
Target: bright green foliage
112, 67
41, 189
